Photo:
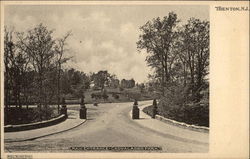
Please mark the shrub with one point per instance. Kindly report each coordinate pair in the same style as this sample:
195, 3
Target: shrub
174, 106
116, 96
30, 115
148, 110
121, 89
96, 95
197, 114
105, 96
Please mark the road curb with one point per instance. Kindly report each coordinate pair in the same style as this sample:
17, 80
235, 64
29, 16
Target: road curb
37, 137
181, 124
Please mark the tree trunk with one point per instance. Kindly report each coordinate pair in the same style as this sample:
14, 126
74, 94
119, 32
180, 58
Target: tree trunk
58, 88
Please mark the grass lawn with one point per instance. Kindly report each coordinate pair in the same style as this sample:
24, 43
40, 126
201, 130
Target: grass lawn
115, 95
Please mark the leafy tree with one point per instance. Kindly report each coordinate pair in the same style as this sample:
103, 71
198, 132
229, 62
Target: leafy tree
195, 46
101, 79
158, 38
114, 82
75, 82
141, 87
180, 57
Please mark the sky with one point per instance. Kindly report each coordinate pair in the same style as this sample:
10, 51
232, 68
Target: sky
103, 36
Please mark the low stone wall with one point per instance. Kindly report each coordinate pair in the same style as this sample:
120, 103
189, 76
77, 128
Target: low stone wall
176, 123
183, 125
22, 127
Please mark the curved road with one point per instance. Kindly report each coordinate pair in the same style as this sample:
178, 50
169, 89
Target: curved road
110, 125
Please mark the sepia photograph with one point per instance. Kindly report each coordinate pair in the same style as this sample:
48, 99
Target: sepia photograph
105, 78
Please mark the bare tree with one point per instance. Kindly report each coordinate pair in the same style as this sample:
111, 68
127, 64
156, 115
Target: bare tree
16, 65
39, 45
60, 59
8, 56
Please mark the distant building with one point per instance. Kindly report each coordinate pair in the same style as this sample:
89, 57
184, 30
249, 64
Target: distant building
127, 83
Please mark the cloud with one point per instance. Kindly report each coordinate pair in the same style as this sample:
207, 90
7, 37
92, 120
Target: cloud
104, 46
104, 36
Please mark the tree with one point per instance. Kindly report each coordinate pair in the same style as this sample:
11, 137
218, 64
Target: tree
195, 46
179, 56
8, 62
74, 82
114, 82
101, 79
16, 66
60, 50
141, 87
158, 38
39, 45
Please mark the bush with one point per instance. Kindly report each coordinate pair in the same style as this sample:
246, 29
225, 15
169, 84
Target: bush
96, 95
116, 96
148, 110
15, 116
197, 114
105, 96
174, 106
134, 95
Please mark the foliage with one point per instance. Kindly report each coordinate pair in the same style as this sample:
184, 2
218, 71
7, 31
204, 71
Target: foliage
33, 62
148, 110
16, 116
101, 78
116, 96
141, 87
75, 82
179, 55
159, 38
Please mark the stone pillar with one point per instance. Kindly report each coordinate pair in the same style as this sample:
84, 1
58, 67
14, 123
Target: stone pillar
83, 110
154, 111
64, 107
135, 111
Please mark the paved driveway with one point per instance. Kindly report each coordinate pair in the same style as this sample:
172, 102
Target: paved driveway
110, 125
